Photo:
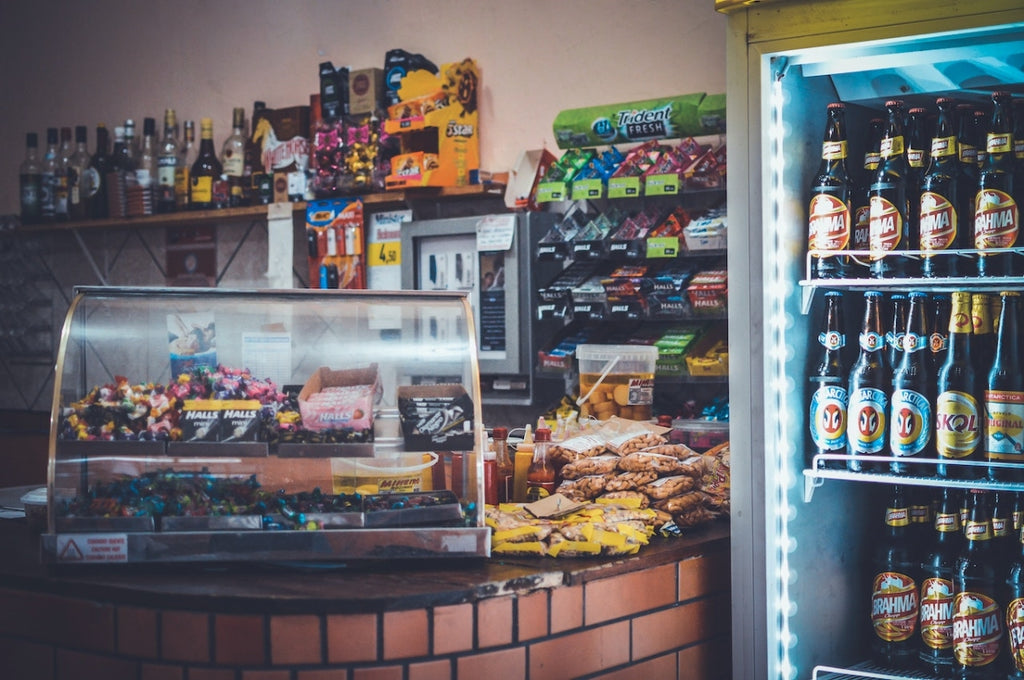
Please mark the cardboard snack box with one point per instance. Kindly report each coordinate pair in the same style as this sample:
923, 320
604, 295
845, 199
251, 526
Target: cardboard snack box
436, 416
340, 399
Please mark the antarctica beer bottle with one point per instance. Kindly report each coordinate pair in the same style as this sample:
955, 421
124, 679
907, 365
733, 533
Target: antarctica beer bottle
868, 390
827, 413
910, 407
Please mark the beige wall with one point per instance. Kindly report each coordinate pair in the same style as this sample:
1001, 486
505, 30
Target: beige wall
68, 62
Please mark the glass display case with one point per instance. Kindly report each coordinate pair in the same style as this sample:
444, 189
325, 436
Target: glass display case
195, 424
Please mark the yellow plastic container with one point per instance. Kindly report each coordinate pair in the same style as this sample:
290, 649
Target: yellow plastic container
399, 474
619, 380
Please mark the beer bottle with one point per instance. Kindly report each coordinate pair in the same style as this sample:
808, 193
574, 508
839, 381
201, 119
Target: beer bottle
977, 616
1003, 539
919, 504
939, 327
910, 407
897, 328
829, 222
862, 206
936, 601
891, 223
1015, 613
946, 208
1004, 396
870, 381
827, 418
894, 604
918, 145
996, 213
1018, 137
967, 149
979, 134
984, 342
957, 417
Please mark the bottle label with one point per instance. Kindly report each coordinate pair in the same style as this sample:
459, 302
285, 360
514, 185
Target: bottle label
1001, 142
978, 531
1015, 632
861, 228
915, 158
977, 629
1004, 440
181, 186
166, 168
1000, 527
202, 190
832, 340
911, 422
870, 341
957, 431
995, 219
938, 342
833, 151
938, 222
828, 418
886, 227
536, 492
912, 342
233, 165
829, 224
943, 147
937, 613
892, 146
947, 523
894, 606
968, 155
866, 413
91, 183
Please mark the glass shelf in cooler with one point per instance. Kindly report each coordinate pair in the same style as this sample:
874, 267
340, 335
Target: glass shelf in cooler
866, 670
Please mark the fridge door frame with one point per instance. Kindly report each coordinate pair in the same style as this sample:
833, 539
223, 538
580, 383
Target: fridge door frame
754, 33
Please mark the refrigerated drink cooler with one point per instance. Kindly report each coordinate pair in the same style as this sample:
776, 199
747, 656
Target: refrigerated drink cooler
802, 534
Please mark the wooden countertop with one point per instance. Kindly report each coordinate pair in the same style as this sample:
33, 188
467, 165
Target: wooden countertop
325, 588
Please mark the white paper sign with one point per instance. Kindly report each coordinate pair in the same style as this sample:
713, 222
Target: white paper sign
495, 232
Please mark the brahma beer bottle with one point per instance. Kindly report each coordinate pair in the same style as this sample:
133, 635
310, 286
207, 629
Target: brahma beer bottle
1004, 396
894, 592
862, 206
891, 218
1015, 613
827, 417
957, 416
946, 207
829, 219
870, 381
936, 600
996, 213
977, 615
910, 407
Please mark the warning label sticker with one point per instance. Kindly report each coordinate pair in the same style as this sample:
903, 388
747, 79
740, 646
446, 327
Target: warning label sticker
92, 548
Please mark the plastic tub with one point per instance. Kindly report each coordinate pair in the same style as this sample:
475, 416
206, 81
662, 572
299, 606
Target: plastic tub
400, 474
619, 380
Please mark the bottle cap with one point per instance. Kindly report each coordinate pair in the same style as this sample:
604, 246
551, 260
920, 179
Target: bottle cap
499, 433
528, 434
490, 455
543, 434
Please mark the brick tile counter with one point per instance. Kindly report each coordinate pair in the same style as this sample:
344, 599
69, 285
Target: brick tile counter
663, 614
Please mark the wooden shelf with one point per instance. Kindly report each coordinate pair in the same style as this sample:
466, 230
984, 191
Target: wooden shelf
377, 200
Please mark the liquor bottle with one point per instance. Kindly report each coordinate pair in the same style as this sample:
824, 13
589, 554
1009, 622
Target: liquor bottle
967, 150
977, 616
232, 157
1014, 612
167, 165
946, 208
828, 381
503, 464
938, 324
996, 212
898, 304
60, 186
984, 341
30, 180
130, 150
80, 176
862, 206
540, 478
957, 414
894, 594
936, 600
121, 167
48, 180
830, 222
205, 170
1004, 396
910, 406
892, 225
146, 168
100, 166
868, 391
186, 157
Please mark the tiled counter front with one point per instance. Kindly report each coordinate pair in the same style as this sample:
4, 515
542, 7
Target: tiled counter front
662, 614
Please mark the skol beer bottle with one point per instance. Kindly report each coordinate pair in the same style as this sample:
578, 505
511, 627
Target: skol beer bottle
1015, 613
946, 206
1004, 396
910, 406
827, 417
894, 591
957, 416
996, 212
830, 221
891, 223
868, 392
936, 601
977, 615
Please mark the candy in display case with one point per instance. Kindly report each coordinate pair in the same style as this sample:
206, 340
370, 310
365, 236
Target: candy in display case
284, 442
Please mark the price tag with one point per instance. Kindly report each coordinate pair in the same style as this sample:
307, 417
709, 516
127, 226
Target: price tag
587, 188
662, 185
663, 246
623, 187
551, 191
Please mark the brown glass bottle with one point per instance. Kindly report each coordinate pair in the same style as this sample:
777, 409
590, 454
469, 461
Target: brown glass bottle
868, 390
829, 214
1014, 612
996, 210
936, 601
827, 384
99, 168
205, 171
892, 223
898, 305
861, 237
938, 325
895, 589
910, 406
1004, 396
957, 415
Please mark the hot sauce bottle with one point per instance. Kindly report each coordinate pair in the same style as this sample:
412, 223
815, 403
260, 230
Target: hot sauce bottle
540, 478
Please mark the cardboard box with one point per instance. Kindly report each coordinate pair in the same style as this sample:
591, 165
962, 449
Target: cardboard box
356, 391
436, 416
365, 90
